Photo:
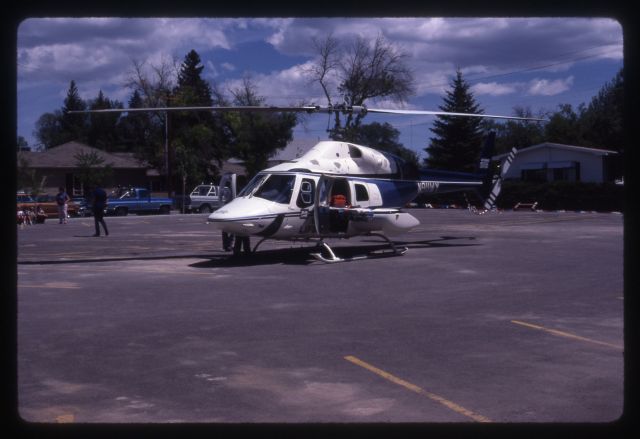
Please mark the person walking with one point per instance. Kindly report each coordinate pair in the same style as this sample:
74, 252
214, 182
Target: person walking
62, 200
99, 204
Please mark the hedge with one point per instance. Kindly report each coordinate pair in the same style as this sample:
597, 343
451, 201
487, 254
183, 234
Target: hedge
557, 195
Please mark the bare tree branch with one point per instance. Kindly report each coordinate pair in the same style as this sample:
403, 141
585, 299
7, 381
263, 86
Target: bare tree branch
365, 71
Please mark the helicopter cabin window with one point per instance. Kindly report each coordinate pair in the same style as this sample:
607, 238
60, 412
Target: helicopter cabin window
361, 192
277, 188
305, 197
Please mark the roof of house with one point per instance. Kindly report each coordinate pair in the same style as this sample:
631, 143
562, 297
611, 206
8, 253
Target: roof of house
63, 156
594, 151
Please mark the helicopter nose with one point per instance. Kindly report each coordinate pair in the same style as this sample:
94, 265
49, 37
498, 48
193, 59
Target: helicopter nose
242, 216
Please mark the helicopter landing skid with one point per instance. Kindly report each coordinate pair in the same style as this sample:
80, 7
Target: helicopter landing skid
333, 258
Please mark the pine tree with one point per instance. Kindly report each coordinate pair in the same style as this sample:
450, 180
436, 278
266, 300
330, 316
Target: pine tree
458, 140
134, 129
102, 131
73, 126
197, 137
191, 90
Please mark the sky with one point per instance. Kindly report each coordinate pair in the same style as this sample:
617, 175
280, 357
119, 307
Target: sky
536, 63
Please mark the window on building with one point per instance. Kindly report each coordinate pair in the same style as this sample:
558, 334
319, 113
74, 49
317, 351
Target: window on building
565, 171
534, 175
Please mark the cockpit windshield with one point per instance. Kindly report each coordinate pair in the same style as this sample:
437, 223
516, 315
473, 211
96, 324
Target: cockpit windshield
271, 187
253, 184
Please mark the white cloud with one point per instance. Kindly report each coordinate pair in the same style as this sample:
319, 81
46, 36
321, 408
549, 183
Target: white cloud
545, 87
211, 71
284, 87
493, 89
228, 66
98, 52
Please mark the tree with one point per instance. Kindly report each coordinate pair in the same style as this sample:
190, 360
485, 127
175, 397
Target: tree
21, 143
91, 169
53, 129
602, 120
458, 140
192, 90
134, 128
199, 139
363, 72
49, 130
153, 85
102, 132
74, 126
257, 136
514, 133
564, 126
27, 177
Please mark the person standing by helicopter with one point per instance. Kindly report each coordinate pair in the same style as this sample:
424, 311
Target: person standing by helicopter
225, 197
227, 193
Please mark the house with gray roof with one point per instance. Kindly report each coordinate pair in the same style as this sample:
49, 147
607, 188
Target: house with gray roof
558, 162
60, 167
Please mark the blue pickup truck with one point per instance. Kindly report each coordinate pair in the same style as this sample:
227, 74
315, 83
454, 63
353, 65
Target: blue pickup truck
137, 200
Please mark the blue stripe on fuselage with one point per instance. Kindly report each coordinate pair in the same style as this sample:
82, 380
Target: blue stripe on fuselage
396, 193
435, 174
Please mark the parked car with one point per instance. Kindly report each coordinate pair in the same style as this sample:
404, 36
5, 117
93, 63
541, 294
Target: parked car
46, 203
204, 198
84, 209
137, 200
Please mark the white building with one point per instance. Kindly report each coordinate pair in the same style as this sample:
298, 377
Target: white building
554, 162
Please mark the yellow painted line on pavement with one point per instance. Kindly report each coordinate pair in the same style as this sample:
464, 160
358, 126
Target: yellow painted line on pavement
407, 385
61, 285
565, 334
65, 419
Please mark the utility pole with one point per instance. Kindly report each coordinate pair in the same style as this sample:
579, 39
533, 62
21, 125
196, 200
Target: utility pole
166, 153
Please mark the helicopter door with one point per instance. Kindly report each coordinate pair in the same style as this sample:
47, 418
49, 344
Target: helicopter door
322, 209
333, 198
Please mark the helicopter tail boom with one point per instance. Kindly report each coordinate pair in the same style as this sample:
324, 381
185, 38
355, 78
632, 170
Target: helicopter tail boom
492, 195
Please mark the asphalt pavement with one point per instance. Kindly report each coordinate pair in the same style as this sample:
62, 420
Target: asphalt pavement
509, 317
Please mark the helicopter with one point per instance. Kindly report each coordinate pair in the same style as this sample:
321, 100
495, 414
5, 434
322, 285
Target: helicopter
340, 189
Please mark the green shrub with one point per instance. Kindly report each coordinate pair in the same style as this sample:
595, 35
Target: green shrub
557, 195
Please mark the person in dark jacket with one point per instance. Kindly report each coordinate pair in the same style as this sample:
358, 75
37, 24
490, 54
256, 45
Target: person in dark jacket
99, 197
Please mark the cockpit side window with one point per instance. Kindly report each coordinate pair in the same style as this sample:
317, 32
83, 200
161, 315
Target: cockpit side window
277, 188
306, 194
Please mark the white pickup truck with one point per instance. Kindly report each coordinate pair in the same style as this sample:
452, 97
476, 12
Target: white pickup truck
204, 198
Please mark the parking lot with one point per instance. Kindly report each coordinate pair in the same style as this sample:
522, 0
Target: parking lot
503, 317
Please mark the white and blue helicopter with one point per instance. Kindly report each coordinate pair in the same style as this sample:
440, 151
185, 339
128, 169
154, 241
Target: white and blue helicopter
340, 189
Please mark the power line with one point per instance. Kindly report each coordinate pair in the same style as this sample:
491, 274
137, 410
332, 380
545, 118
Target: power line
524, 70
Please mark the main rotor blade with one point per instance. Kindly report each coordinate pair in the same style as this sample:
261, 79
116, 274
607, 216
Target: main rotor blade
307, 109
446, 113
221, 109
